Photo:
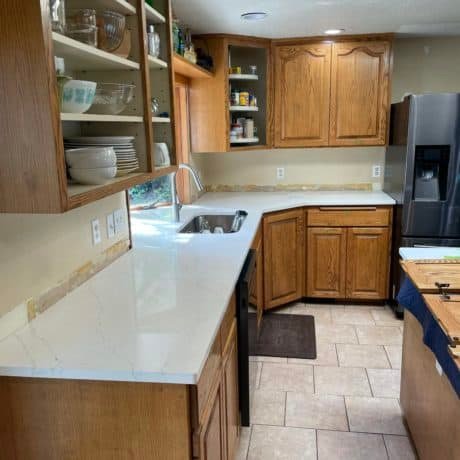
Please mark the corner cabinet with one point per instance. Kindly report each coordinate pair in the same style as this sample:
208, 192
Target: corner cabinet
360, 88
330, 93
33, 176
284, 248
302, 87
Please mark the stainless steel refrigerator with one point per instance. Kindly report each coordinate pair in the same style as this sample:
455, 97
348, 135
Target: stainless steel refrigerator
422, 174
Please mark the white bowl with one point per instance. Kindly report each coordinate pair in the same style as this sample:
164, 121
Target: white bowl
91, 157
77, 96
93, 176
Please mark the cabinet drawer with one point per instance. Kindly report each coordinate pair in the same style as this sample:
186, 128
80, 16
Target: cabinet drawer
201, 392
349, 216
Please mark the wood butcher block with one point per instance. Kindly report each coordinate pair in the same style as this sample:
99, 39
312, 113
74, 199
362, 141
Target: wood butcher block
447, 312
425, 274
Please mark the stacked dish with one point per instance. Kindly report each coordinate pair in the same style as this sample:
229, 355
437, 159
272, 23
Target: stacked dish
91, 165
125, 152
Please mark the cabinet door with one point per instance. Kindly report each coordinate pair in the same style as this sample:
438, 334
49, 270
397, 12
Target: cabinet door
326, 262
212, 443
230, 383
284, 255
368, 263
302, 88
256, 296
359, 93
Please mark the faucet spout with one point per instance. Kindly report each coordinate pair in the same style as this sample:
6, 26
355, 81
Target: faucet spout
176, 204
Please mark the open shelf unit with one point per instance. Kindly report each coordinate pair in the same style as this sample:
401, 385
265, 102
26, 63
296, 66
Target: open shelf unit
242, 76
243, 108
38, 117
189, 70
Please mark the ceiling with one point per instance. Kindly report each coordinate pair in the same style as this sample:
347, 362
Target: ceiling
294, 18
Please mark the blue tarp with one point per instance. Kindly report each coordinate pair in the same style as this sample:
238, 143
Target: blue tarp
433, 336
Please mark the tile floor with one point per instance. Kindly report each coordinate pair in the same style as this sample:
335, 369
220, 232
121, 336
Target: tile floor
344, 405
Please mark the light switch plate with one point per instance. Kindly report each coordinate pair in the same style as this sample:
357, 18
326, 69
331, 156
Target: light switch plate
96, 231
110, 225
280, 173
119, 218
376, 170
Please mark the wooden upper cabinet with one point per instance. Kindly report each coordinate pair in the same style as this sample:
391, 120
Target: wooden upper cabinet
368, 261
302, 88
359, 93
326, 262
284, 247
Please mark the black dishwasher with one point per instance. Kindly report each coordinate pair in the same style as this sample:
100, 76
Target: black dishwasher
243, 290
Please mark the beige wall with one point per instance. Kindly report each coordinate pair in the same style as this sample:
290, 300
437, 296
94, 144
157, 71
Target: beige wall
302, 166
423, 65
38, 251
420, 65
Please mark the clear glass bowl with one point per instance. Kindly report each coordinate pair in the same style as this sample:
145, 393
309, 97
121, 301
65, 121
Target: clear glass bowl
82, 33
112, 98
111, 30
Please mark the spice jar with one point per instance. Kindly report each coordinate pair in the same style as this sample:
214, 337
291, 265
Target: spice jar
249, 128
235, 97
244, 98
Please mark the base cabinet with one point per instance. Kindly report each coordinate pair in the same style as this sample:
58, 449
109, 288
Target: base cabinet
256, 296
367, 263
326, 262
284, 247
348, 253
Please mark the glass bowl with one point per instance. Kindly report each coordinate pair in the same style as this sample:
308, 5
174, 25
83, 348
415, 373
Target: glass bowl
82, 33
112, 98
111, 30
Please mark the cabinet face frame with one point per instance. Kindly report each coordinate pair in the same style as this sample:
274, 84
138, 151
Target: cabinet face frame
283, 105
296, 218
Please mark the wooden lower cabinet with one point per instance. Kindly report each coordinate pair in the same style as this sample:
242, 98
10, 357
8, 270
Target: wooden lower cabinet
326, 262
284, 247
367, 263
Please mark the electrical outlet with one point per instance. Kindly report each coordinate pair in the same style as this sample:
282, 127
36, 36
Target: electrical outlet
110, 225
119, 218
96, 229
376, 170
279, 173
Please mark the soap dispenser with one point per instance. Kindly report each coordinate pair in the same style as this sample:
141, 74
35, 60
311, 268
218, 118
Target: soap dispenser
153, 41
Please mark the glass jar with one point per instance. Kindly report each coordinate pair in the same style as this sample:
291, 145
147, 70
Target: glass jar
153, 41
57, 15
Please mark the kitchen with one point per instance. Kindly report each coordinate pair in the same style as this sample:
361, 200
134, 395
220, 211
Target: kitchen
114, 312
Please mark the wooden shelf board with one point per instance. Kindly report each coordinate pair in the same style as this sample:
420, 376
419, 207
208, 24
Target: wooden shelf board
243, 108
79, 56
186, 68
153, 16
80, 195
161, 120
164, 170
155, 63
249, 147
104, 118
252, 140
242, 76
120, 6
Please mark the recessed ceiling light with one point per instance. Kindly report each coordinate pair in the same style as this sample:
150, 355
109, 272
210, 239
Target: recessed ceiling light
334, 31
255, 16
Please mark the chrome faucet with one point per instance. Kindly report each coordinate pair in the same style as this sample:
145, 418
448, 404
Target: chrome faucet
176, 204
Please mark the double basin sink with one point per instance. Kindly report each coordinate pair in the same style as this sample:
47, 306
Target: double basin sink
215, 223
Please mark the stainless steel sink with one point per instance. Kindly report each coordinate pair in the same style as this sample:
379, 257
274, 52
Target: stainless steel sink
216, 223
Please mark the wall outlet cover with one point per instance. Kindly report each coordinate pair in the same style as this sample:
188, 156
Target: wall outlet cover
119, 218
110, 225
376, 170
96, 231
279, 173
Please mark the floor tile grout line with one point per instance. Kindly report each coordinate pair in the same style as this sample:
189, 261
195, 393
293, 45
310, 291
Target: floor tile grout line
346, 413
249, 443
285, 407
386, 447
388, 356
369, 382
317, 446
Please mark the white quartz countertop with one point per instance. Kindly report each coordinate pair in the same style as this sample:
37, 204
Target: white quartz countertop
152, 315
428, 253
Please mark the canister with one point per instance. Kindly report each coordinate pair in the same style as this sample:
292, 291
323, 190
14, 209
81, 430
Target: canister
244, 98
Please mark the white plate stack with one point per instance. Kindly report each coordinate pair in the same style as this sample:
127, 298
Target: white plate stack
127, 161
